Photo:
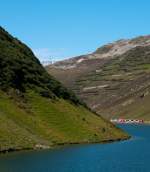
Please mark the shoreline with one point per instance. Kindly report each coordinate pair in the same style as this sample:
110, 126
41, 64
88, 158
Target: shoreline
44, 147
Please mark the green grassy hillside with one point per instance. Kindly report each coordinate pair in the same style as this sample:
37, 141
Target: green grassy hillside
49, 123
36, 110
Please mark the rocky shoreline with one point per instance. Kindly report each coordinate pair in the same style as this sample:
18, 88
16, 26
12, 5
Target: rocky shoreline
44, 147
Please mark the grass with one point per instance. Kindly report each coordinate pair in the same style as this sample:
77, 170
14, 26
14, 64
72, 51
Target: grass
48, 122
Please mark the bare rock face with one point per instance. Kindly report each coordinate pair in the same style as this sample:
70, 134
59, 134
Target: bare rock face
114, 80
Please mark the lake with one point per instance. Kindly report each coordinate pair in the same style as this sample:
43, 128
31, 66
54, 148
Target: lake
126, 156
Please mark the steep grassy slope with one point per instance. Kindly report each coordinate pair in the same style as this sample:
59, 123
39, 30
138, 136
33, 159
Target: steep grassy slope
45, 122
36, 110
114, 80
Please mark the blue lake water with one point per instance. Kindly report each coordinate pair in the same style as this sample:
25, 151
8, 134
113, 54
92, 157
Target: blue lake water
127, 156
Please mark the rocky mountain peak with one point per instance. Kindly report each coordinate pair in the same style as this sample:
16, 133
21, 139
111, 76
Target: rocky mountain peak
105, 52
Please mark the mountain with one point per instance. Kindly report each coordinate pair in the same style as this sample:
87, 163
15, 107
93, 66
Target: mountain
114, 80
36, 111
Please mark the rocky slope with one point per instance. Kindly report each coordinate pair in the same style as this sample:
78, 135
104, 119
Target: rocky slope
114, 80
36, 111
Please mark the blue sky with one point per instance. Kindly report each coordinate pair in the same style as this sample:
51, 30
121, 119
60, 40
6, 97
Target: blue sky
60, 29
